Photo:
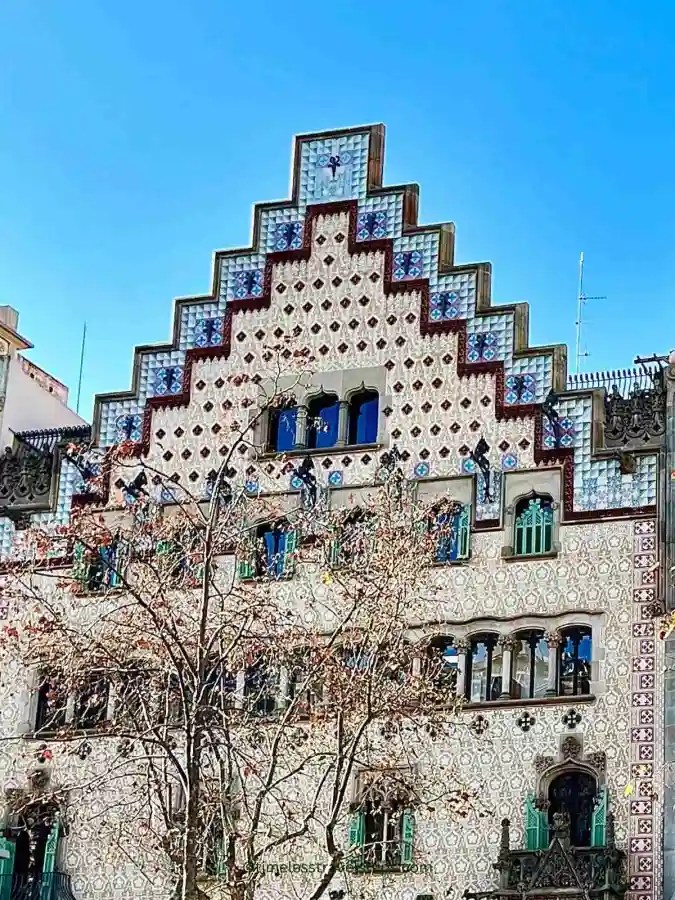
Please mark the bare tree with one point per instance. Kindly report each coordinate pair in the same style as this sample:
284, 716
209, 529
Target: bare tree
252, 667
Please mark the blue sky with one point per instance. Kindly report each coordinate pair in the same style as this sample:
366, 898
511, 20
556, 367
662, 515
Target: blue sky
134, 138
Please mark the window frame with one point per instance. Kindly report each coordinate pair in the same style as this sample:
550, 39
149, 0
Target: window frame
575, 633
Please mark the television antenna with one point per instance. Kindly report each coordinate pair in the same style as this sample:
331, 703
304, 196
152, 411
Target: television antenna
582, 299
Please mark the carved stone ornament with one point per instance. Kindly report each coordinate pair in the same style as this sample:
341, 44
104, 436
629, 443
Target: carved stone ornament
570, 748
598, 760
542, 763
641, 416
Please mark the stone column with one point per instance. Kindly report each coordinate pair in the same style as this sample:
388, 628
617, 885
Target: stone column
507, 643
343, 424
554, 640
301, 429
417, 666
283, 698
462, 650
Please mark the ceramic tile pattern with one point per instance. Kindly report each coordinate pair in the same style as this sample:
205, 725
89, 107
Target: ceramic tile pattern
338, 305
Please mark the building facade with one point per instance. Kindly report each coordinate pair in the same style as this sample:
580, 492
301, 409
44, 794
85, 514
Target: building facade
555, 587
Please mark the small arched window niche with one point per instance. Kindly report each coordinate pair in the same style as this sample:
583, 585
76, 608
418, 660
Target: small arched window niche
283, 425
484, 668
572, 806
576, 657
323, 421
442, 665
327, 409
530, 665
354, 540
270, 553
533, 528
363, 419
449, 523
532, 514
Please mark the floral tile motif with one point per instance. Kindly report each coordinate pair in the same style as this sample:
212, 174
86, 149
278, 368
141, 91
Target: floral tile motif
168, 380
371, 226
509, 461
520, 389
444, 305
408, 265
566, 433
288, 236
336, 478
481, 346
128, 428
248, 284
209, 332
422, 470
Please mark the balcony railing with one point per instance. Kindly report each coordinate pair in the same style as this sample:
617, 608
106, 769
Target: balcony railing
27, 886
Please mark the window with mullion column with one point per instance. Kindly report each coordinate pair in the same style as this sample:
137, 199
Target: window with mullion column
484, 669
529, 665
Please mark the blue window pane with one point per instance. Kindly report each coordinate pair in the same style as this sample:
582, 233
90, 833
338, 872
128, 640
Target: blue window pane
447, 547
363, 419
323, 427
585, 649
283, 429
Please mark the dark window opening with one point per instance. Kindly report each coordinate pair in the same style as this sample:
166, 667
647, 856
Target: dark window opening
529, 665
383, 834
91, 703
484, 669
444, 663
323, 417
51, 705
261, 685
449, 524
575, 661
363, 418
275, 544
573, 795
282, 432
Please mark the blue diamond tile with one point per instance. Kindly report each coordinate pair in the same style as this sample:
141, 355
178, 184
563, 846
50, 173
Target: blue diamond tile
209, 332
371, 226
335, 478
422, 470
444, 305
520, 389
249, 284
128, 428
288, 236
168, 380
481, 346
408, 265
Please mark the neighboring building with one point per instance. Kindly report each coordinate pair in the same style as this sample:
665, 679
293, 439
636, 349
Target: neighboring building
554, 592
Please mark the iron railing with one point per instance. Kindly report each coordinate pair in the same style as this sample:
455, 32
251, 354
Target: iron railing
29, 886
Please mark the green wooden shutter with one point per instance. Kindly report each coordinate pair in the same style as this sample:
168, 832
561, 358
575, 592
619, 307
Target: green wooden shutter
357, 839
536, 826
334, 552
246, 565
6, 868
80, 567
290, 546
407, 837
49, 863
599, 821
221, 862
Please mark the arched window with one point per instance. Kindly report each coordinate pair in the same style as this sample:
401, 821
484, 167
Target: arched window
261, 684
323, 416
449, 522
534, 525
443, 662
363, 418
576, 654
574, 795
283, 423
484, 669
529, 665
354, 540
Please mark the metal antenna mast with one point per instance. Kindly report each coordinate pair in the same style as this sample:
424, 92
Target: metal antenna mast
79, 380
581, 300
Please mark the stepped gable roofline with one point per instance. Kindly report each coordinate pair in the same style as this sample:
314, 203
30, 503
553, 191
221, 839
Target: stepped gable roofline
410, 207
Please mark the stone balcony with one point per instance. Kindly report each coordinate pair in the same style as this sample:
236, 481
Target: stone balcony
559, 871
